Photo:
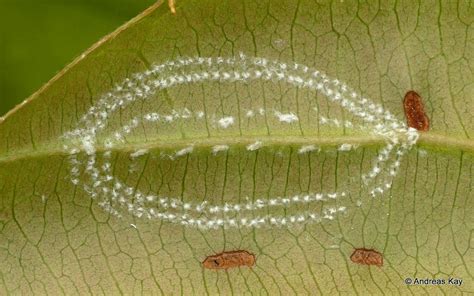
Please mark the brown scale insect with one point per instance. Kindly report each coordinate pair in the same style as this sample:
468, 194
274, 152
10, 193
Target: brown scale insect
414, 112
230, 259
367, 257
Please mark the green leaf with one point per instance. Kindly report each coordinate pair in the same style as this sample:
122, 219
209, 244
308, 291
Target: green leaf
273, 127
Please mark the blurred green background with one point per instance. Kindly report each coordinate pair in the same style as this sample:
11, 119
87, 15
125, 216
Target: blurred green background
39, 37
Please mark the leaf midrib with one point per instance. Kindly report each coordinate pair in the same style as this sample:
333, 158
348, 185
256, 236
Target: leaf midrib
427, 140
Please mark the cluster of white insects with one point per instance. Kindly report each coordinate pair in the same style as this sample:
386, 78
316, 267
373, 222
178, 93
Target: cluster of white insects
113, 195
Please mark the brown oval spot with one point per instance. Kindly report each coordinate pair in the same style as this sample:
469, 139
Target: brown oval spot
230, 259
367, 257
414, 112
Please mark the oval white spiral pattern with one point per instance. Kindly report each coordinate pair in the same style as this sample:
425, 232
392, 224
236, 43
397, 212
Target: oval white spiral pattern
116, 197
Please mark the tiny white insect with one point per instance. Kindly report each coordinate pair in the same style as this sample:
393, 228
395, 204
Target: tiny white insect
286, 118
255, 146
307, 148
225, 122
346, 147
184, 151
219, 148
138, 153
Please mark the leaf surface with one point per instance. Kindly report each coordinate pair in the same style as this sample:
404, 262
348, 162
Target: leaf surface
273, 127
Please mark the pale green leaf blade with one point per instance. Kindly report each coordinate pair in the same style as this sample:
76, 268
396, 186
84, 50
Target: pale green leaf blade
218, 141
